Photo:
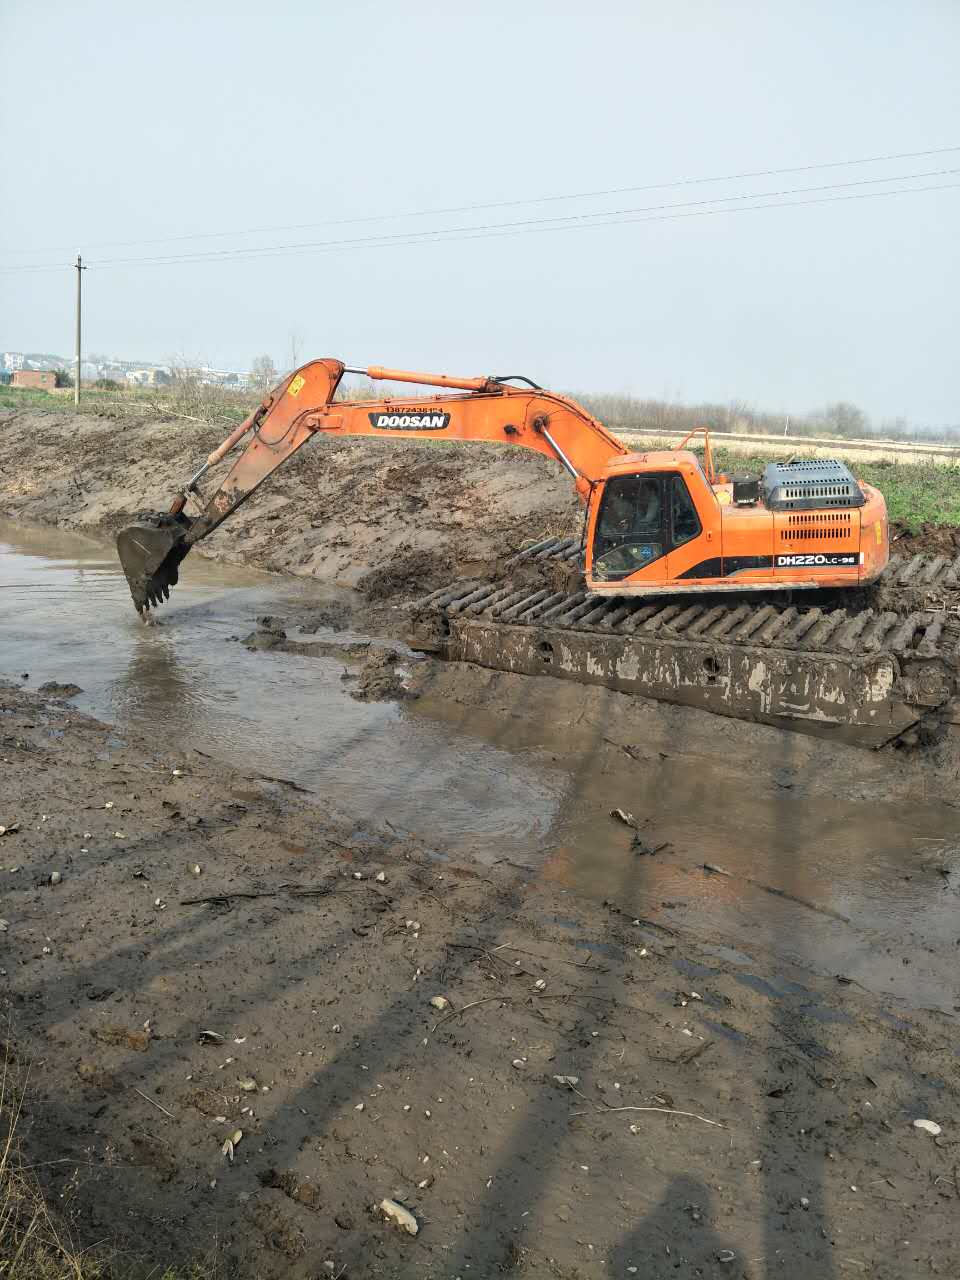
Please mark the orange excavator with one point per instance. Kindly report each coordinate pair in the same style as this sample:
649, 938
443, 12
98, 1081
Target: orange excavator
657, 523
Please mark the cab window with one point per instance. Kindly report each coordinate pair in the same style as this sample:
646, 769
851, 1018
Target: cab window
685, 521
631, 526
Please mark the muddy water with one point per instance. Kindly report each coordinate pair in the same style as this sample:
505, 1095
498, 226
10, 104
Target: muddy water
829, 877
878, 883
67, 616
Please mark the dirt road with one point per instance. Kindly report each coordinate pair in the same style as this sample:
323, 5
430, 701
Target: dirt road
816, 446
221, 956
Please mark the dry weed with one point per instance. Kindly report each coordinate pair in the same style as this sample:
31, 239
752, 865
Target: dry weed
32, 1245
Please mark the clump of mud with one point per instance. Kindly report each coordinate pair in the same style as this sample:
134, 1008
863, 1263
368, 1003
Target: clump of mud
269, 634
53, 689
382, 678
377, 672
929, 539
335, 616
409, 574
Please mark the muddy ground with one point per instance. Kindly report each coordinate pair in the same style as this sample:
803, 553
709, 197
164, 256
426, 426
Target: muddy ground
194, 900
389, 516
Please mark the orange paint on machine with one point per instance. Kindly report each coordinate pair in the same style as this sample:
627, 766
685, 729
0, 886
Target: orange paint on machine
657, 523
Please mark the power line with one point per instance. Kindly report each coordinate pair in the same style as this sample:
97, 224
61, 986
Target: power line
596, 226
454, 232
706, 213
492, 232
506, 204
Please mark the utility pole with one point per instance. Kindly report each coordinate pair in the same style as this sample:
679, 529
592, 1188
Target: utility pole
76, 381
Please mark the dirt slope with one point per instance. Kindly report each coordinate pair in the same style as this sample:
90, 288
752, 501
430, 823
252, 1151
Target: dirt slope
337, 511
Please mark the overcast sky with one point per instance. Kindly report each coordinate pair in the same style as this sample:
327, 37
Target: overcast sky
130, 123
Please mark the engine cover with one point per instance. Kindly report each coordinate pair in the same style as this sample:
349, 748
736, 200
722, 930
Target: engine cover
815, 485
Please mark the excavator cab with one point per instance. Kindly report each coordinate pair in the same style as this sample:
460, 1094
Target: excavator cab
664, 522
640, 519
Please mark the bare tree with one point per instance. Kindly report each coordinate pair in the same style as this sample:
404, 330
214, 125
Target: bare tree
845, 419
263, 373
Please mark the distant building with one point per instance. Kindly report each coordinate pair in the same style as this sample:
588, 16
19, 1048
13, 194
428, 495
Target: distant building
148, 377
135, 373
36, 379
210, 377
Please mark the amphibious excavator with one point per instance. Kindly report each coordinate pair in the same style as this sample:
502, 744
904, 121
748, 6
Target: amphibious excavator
667, 543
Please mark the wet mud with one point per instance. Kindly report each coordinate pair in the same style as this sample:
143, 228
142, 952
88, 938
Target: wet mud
485, 765
546, 1081
930, 539
375, 672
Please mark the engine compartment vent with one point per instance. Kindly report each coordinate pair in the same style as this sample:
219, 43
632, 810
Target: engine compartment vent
810, 485
819, 526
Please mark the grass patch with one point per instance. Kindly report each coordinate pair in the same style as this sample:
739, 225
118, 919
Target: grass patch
25, 398
186, 398
917, 493
32, 1245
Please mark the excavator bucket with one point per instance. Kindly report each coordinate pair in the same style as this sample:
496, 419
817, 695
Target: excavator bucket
151, 551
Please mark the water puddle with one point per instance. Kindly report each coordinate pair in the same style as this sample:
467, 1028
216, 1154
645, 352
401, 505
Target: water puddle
862, 896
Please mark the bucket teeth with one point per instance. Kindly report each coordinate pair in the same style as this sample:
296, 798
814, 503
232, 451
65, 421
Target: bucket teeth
151, 551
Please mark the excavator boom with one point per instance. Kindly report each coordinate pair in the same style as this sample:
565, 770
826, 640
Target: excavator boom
302, 406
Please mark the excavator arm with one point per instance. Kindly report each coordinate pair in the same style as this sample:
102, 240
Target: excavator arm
302, 406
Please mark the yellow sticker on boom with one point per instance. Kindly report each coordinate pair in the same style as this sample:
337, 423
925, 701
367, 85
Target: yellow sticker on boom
296, 386
879, 530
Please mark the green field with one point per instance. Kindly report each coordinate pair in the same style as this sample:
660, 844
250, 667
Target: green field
189, 400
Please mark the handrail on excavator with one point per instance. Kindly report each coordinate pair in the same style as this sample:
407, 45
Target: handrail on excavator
707, 450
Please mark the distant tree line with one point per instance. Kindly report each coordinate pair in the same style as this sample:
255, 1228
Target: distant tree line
839, 419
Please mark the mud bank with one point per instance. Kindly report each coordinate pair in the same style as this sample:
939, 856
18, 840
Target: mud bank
219, 955
396, 519
404, 516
